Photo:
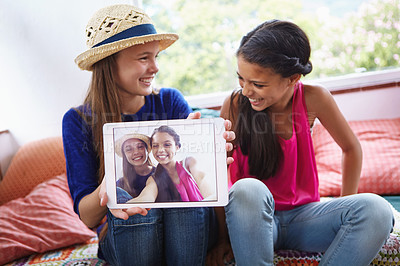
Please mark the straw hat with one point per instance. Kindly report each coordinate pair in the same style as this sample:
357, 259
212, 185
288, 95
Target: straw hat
120, 142
114, 28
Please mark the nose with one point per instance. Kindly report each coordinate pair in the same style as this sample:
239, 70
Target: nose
153, 67
246, 89
135, 151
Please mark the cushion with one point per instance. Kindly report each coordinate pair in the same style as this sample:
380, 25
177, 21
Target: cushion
41, 221
380, 142
34, 163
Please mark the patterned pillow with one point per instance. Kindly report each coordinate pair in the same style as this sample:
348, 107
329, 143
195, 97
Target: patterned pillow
34, 163
380, 142
43, 220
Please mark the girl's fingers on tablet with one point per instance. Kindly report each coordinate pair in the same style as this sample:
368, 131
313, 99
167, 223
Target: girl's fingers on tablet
229, 135
195, 115
228, 125
136, 210
119, 213
229, 146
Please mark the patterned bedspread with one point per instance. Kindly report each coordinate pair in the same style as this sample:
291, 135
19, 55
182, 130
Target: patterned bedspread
86, 254
76, 255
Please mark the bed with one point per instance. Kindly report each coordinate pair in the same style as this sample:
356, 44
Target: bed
38, 225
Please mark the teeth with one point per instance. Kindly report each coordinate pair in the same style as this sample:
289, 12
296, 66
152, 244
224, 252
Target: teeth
253, 100
147, 80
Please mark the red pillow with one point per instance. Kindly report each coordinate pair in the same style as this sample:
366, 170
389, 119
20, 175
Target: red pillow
43, 220
34, 163
380, 142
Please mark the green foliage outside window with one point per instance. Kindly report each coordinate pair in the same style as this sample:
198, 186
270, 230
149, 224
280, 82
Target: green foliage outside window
203, 60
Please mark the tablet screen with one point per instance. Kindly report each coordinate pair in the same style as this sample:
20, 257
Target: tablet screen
166, 163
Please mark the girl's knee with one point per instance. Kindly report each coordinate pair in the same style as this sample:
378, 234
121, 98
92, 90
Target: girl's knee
378, 211
377, 204
251, 192
246, 186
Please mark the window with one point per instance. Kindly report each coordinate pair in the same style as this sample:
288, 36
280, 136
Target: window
346, 37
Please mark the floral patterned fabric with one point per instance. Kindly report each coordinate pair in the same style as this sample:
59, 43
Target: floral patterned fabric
86, 254
81, 254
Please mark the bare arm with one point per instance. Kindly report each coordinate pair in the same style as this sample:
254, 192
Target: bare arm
321, 104
225, 108
228, 135
92, 207
199, 177
91, 211
226, 114
222, 250
149, 192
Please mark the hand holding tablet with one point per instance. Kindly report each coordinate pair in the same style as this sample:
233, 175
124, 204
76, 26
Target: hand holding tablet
166, 163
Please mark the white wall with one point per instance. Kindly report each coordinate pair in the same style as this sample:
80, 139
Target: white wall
39, 80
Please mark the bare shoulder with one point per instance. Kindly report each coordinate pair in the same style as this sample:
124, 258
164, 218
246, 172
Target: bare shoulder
229, 106
316, 96
190, 162
150, 180
315, 91
318, 99
226, 105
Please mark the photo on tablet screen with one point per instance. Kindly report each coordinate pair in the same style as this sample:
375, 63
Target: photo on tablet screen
165, 163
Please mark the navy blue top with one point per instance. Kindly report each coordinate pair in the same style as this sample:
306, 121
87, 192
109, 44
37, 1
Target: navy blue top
80, 155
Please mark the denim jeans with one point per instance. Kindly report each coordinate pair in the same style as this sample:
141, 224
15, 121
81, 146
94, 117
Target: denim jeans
349, 230
174, 236
122, 195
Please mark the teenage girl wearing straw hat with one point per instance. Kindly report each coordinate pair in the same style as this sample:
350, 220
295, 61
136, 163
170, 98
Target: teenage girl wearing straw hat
123, 45
134, 150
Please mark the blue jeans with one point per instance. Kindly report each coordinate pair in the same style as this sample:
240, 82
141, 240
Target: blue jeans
122, 195
174, 236
349, 230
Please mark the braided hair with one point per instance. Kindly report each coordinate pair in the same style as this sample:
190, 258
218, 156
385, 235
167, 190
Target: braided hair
283, 47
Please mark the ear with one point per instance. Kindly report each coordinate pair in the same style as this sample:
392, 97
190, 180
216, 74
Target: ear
293, 79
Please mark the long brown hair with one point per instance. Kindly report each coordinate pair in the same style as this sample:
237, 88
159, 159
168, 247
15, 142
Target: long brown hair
129, 172
104, 104
167, 191
283, 47
255, 136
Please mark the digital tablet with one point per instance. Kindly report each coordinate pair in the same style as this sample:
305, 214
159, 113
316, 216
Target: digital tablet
165, 163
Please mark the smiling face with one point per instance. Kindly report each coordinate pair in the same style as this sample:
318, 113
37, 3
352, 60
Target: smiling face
262, 86
136, 69
135, 152
164, 148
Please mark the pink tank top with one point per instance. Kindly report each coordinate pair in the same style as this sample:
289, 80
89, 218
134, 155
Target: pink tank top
187, 186
296, 181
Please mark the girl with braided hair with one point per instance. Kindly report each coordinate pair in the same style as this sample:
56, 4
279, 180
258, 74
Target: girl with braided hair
274, 201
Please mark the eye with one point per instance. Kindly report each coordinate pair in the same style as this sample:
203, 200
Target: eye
155, 146
258, 85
